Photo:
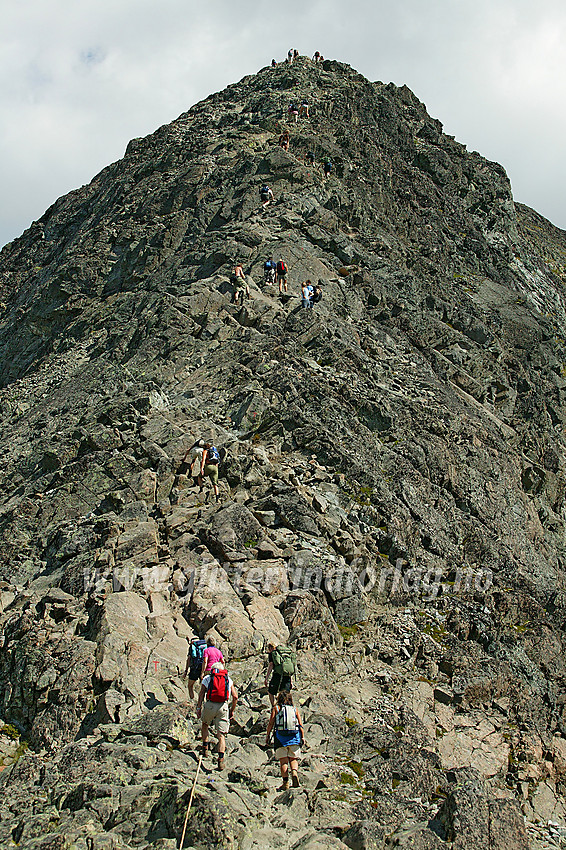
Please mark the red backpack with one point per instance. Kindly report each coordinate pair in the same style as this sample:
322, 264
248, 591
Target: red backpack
218, 689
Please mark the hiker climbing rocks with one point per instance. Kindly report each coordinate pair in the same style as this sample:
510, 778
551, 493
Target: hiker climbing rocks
288, 737
266, 195
290, 57
310, 158
194, 663
211, 655
284, 140
241, 288
307, 290
195, 451
326, 167
209, 463
281, 271
293, 112
282, 661
316, 57
273, 63
316, 295
218, 689
269, 268
295, 54
304, 110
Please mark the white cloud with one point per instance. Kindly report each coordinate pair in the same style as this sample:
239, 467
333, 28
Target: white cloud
79, 78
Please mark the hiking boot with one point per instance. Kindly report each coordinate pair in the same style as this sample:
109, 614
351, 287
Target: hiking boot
205, 749
284, 785
221, 762
295, 781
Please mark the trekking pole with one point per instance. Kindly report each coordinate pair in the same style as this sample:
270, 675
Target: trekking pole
190, 801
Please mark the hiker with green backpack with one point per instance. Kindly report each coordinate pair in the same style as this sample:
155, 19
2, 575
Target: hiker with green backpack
282, 661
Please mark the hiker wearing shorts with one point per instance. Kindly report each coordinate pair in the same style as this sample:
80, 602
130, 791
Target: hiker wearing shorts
193, 666
241, 288
288, 738
195, 451
279, 681
281, 272
209, 467
218, 689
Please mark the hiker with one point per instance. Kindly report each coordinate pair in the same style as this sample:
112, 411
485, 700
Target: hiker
211, 656
288, 737
273, 63
281, 272
209, 466
195, 452
290, 57
218, 688
326, 167
310, 157
284, 140
295, 54
293, 112
194, 663
316, 57
269, 268
316, 295
282, 662
304, 110
241, 288
306, 294
266, 195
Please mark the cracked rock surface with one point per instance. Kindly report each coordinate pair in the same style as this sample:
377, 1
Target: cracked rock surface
391, 500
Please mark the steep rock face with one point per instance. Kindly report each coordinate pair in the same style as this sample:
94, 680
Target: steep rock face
392, 500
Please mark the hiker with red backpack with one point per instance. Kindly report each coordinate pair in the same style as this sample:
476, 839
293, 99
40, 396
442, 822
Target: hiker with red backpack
288, 737
281, 272
218, 689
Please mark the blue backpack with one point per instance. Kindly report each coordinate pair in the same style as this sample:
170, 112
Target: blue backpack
213, 455
197, 652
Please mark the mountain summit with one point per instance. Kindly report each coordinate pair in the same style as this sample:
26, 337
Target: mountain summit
391, 493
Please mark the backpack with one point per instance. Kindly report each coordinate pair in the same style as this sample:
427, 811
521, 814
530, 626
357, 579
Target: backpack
286, 719
284, 660
218, 689
264, 191
197, 652
281, 267
316, 296
212, 456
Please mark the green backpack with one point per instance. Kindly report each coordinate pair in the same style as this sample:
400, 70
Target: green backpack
284, 660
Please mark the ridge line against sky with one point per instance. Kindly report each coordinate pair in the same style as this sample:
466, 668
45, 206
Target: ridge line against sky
80, 78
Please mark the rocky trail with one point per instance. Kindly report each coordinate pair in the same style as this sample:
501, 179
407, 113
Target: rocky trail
391, 501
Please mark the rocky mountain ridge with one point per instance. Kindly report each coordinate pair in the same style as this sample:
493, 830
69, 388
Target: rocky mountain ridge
392, 502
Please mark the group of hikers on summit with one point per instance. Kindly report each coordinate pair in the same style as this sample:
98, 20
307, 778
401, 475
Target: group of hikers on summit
218, 698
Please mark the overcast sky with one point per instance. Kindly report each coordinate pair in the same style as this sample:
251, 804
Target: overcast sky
80, 78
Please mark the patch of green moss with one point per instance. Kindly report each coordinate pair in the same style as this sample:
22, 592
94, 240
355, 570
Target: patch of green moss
350, 722
9, 731
357, 768
348, 632
348, 779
